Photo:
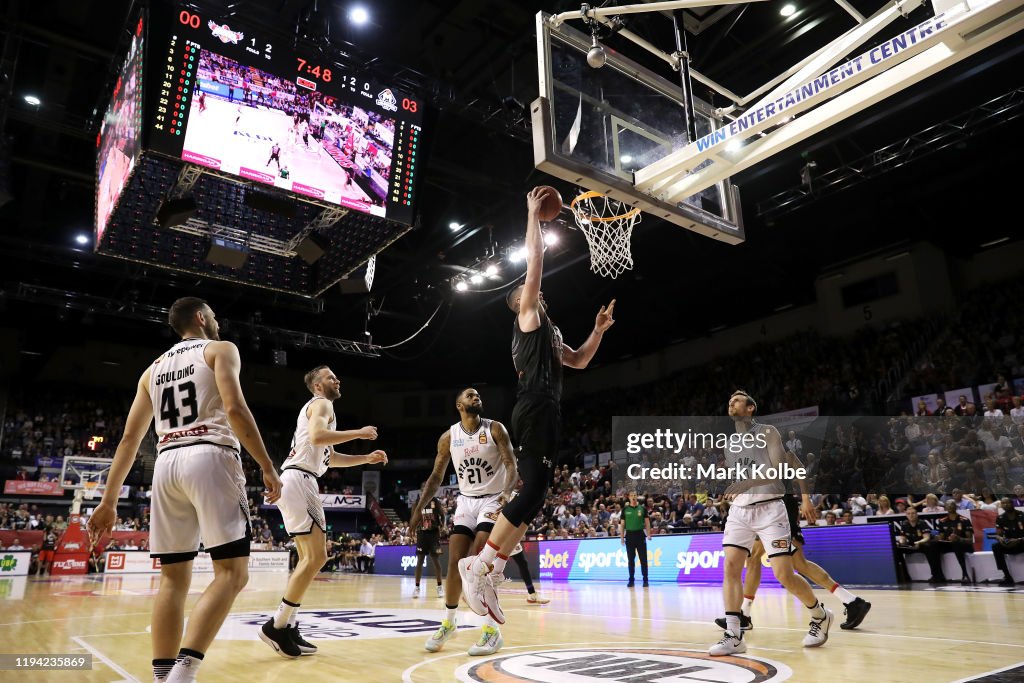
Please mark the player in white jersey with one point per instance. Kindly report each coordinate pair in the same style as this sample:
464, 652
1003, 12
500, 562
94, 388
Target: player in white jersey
758, 511
481, 452
312, 453
194, 394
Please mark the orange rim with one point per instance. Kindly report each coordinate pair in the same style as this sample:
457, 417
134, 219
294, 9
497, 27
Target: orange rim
590, 194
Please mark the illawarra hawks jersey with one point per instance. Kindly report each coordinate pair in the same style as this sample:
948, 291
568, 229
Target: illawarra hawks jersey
187, 408
756, 455
303, 455
476, 460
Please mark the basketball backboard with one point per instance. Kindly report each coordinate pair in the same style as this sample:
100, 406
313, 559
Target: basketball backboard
596, 126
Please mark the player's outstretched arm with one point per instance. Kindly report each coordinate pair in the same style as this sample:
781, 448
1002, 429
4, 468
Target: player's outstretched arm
529, 301
322, 436
346, 460
507, 455
135, 428
581, 357
444, 455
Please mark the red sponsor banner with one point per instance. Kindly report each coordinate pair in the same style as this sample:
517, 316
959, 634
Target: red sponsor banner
72, 556
33, 488
70, 563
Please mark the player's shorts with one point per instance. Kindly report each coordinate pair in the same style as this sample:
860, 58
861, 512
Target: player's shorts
300, 503
46, 556
199, 495
768, 521
428, 542
476, 513
537, 425
793, 512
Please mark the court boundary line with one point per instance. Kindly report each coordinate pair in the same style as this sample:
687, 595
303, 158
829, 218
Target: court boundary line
83, 616
987, 673
785, 628
114, 666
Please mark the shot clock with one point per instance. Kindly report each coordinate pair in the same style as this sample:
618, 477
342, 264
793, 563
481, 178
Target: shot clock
222, 96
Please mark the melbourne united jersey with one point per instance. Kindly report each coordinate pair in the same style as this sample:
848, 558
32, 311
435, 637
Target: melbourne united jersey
477, 461
187, 407
537, 357
304, 456
756, 455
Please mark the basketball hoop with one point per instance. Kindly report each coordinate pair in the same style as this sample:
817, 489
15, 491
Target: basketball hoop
608, 226
90, 489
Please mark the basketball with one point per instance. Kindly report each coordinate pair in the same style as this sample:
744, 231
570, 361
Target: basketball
552, 204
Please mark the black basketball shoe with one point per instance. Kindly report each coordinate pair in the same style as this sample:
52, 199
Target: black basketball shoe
746, 623
855, 613
305, 647
280, 639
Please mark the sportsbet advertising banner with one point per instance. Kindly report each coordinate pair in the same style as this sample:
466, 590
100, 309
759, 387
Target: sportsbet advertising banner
860, 554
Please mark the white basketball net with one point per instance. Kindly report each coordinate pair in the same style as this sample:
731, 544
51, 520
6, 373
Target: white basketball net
608, 226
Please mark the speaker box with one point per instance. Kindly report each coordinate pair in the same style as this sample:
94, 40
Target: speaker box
311, 248
261, 201
354, 284
227, 253
174, 212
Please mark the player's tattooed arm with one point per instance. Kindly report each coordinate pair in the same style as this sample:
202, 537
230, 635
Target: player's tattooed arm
508, 458
430, 486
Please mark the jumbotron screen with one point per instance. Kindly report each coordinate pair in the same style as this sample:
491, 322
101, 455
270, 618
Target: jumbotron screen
241, 103
120, 139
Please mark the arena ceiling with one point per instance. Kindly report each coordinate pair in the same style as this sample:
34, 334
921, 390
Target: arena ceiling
475, 61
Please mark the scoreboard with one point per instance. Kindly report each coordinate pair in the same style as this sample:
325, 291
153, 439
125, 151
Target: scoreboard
221, 95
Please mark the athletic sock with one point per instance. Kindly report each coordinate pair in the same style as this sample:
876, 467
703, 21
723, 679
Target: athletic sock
817, 610
732, 624
450, 612
294, 618
489, 552
748, 603
284, 613
499, 563
162, 667
844, 595
186, 666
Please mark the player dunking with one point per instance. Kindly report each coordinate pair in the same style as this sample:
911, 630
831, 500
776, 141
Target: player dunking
482, 455
198, 486
312, 453
758, 511
538, 353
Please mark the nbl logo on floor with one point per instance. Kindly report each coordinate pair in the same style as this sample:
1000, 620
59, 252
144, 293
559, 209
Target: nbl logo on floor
655, 665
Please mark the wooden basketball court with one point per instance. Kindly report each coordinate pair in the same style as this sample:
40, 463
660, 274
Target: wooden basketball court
369, 628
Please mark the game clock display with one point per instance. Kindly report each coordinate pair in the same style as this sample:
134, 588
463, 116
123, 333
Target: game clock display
228, 99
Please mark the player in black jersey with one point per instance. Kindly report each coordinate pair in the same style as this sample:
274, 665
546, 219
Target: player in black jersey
538, 353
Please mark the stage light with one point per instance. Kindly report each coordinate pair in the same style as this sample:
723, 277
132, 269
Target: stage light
82, 239
492, 270
625, 158
787, 10
733, 145
358, 15
454, 226
517, 255
550, 239
33, 100
461, 286
476, 278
